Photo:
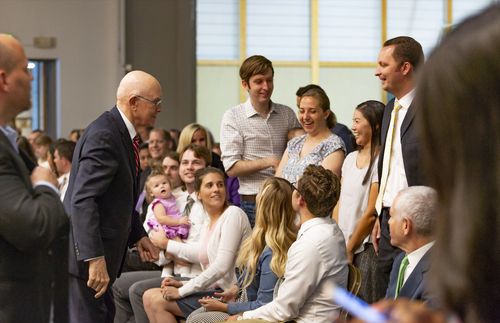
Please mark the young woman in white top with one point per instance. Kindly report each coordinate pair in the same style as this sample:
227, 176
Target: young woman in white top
217, 250
355, 211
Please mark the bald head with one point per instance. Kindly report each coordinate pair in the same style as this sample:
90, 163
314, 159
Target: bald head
8, 48
15, 79
137, 83
139, 97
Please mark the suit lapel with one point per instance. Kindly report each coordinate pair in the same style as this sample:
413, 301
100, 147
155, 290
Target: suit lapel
19, 163
410, 115
417, 276
386, 121
127, 144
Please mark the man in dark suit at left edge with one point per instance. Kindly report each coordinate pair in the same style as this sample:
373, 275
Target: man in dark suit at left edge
100, 199
31, 214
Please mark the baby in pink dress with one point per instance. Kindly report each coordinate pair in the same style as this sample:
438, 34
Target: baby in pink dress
166, 213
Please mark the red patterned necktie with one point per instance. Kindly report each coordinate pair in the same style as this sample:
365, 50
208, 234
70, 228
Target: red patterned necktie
135, 143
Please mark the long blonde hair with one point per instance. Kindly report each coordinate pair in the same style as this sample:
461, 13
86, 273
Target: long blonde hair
274, 227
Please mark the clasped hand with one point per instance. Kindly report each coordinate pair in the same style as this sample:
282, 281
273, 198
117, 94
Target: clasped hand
213, 304
170, 293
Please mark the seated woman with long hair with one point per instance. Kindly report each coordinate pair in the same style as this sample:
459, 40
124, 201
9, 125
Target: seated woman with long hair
262, 257
216, 251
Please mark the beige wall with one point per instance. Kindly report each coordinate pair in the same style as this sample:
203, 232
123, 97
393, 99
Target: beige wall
218, 90
89, 60
87, 33
347, 87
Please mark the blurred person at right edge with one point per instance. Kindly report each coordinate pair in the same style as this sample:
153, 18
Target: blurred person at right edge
459, 83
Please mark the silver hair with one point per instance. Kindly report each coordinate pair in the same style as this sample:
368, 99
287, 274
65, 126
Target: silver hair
418, 204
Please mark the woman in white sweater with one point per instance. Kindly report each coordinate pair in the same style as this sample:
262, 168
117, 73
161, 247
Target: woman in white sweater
216, 251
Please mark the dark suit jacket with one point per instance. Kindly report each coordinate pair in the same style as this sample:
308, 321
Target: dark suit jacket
30, 220
101, 196
410, 144
345, 133
414, 287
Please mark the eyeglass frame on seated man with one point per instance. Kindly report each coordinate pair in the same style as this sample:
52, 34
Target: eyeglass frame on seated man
156, 102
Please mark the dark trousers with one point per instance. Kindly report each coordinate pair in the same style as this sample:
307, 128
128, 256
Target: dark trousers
386, 255
128, 290
84, 307
59, 286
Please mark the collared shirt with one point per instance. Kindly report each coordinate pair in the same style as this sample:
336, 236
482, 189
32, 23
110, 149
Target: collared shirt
396, 180
11, 134
63, 184
246, 135
316, 262
414, 258
130, 127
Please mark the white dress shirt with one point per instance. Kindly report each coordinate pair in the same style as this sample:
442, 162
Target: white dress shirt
11, 135
396, 179
130, 127
316, 262
63, 181
414, 258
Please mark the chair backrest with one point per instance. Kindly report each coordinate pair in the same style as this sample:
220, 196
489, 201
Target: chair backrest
353, 286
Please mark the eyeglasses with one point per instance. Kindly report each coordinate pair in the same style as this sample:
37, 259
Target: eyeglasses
156, 102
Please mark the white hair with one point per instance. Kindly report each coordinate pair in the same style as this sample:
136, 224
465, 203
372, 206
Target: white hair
418, 204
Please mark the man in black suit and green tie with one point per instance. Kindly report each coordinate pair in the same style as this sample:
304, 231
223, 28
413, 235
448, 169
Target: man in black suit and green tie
412, 226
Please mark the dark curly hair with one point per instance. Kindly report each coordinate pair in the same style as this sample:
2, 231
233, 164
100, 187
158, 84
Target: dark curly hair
320, 188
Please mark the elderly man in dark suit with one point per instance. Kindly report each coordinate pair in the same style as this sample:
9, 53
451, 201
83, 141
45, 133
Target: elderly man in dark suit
411, 225
399, 160
31, 215
101, 196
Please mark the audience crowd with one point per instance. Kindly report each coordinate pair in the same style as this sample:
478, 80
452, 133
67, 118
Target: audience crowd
168, 225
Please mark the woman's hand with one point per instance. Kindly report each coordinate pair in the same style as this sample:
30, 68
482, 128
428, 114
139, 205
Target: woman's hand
376, 236
212, 304
159, 239
170, 293
169, 281
228, 295
233, 317
350, 256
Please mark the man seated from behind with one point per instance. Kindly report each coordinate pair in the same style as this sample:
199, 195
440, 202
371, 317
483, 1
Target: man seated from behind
411, 226
317, 260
